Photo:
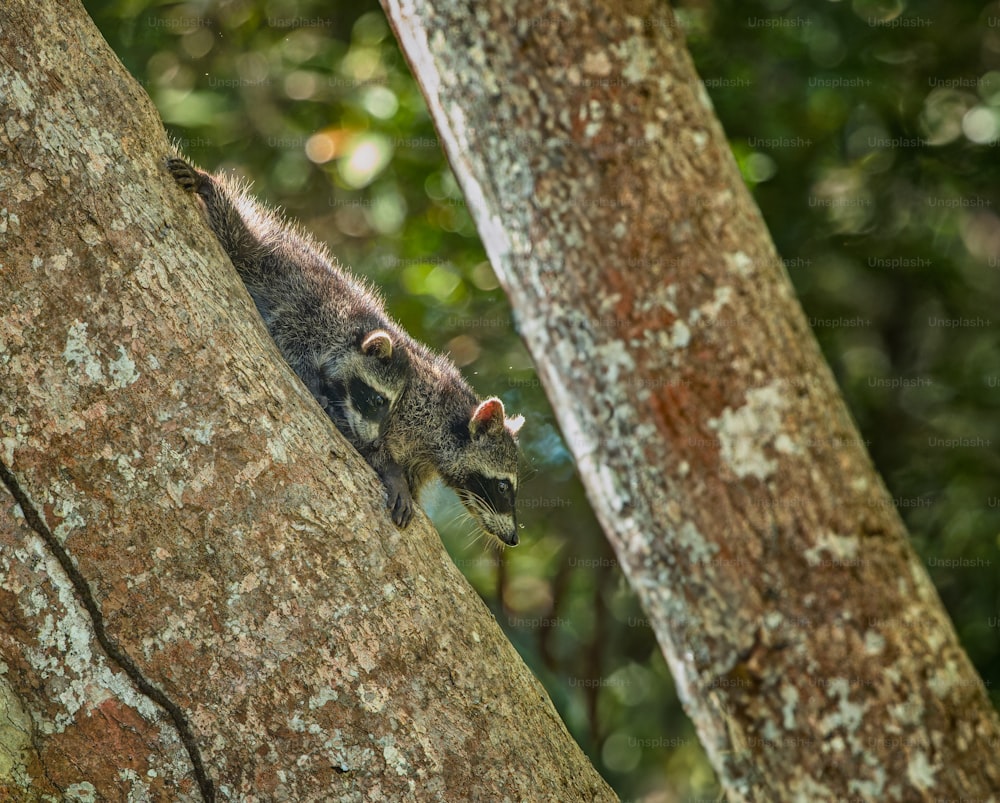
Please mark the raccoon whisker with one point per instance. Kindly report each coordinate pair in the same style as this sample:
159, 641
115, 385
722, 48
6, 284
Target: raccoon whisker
476, 533
478, 501
459, 516
462, 514
496, 545
463, 517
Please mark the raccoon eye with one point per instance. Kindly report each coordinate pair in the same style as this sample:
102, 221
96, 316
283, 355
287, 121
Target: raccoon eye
503, 486
379, 400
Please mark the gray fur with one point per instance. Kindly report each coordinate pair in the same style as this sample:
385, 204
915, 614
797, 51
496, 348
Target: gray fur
330, 327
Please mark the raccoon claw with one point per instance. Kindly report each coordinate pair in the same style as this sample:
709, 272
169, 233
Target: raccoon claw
402, 510
183, 173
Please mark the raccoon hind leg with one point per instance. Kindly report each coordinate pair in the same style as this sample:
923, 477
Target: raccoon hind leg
184, 174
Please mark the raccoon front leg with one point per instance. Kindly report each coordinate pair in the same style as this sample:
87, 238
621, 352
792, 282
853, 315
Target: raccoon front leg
399, 500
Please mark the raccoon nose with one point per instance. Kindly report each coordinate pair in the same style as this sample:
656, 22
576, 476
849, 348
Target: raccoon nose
512, 539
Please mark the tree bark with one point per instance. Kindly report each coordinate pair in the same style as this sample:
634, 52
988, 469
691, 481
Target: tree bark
806, 640
201, 594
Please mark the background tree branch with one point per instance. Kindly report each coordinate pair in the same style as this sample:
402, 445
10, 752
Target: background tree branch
804, 635
214, 527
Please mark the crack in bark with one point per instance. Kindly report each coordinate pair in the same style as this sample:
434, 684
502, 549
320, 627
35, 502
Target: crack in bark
110, 646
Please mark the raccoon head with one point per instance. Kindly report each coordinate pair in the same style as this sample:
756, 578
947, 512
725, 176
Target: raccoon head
360, 390
484, 469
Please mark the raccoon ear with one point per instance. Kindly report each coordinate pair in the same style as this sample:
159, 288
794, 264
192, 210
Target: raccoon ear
514, 424
377, 344
488, 417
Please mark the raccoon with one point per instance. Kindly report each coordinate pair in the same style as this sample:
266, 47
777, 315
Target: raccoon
407, 410
331, 328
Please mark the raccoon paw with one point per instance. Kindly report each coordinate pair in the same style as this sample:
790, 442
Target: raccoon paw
398, 498
402, 510
183, 173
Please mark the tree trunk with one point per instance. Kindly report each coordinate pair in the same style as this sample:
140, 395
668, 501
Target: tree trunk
201, 594
804, 635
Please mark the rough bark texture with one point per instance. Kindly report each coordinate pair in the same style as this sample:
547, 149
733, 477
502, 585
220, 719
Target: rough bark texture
805, 637
61, 695
201, 593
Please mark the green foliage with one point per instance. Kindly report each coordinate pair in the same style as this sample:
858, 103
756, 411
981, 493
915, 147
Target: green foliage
868, 132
